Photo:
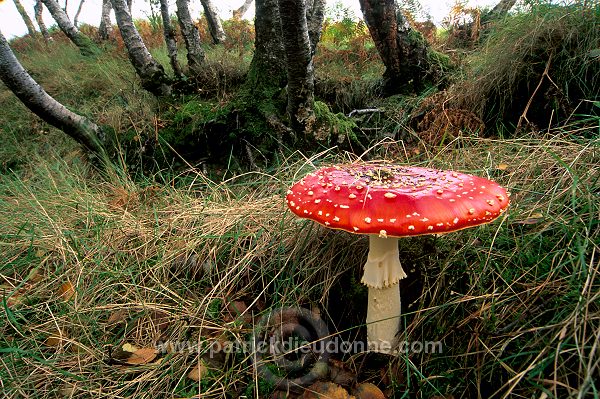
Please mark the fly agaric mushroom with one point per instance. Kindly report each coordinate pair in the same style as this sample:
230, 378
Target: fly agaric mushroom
386, 202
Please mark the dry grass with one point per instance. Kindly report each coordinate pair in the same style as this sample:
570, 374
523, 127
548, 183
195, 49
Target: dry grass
514, 303
534, 68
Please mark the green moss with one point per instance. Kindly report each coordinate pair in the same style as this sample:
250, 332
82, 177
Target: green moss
330, 125
87, 47
189, 119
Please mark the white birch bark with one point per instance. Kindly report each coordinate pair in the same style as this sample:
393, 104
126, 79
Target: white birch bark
215, 26
33, 96
85, 44
195, 54
105, 29
148, 69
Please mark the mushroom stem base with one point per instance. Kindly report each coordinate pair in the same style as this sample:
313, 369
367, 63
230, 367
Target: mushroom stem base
381, 276
383, 318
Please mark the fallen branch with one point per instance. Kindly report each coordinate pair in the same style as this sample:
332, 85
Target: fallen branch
365, 111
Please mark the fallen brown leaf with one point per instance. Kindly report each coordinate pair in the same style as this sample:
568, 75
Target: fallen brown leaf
533, 219
116, 317
238, 310
53, 341
66, 291
366, 390
127, 347
528, 221
339, 374
142, 356
322, 390
198, 372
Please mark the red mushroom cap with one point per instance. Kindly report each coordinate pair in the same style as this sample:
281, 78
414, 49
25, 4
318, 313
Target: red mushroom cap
395, 201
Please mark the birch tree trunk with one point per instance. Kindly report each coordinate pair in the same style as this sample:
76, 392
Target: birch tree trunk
33, 96
267, 74
150, 72
214, 22
105, 29
25, 16
299, 64
315, 14
38, 9
239, 13
499, 11
195, 54
403, 51
170, 38
85, 44
76, 18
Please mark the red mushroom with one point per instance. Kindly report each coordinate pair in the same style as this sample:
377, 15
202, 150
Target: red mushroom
386, 202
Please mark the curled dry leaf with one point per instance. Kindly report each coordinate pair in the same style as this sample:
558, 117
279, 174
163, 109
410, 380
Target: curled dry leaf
238, 310
198, 372
53, 341
141, 356
533, 219
66, 291
325, 390
127, 347
366, 390
116, 317
339, 374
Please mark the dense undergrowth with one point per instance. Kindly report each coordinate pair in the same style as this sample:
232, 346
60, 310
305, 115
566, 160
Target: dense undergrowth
199, 250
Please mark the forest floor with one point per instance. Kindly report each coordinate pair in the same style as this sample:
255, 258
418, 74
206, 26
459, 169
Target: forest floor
99, 268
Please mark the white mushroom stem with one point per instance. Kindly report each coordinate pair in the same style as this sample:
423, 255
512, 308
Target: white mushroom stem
381, 275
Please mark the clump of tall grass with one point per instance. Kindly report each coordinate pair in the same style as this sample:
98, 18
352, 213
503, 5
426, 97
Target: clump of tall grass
535, 68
